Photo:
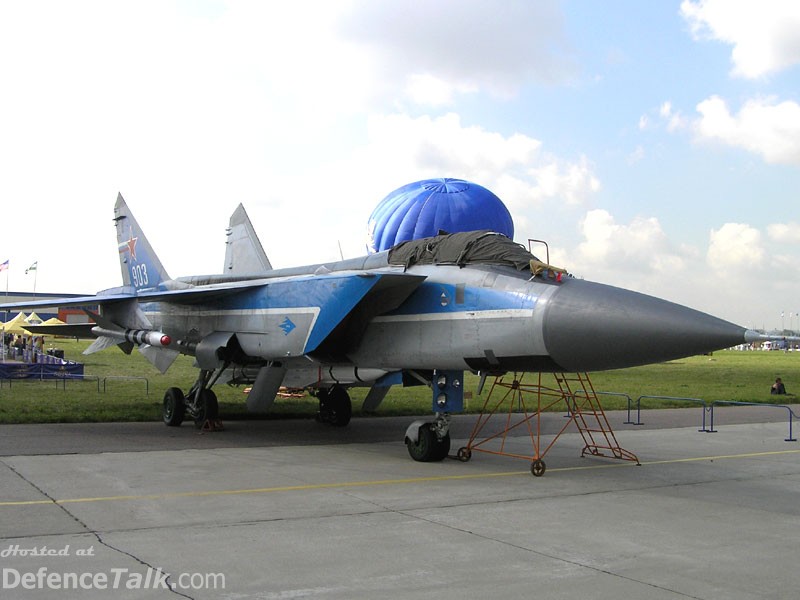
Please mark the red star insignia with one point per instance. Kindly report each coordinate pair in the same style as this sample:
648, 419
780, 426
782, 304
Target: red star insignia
129, 246
132, 246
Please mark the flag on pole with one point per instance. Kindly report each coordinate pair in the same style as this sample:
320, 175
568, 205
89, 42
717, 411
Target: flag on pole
32, 267
4, 265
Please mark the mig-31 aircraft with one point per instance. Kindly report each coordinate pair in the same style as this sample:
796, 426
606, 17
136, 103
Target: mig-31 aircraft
423, 311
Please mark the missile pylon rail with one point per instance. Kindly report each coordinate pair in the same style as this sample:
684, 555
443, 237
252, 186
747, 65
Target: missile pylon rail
519, 403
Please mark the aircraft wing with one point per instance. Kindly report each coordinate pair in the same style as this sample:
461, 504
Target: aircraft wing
72, 330
68, 302
187, 295
326, 313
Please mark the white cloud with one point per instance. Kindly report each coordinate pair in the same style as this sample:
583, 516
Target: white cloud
571, 183
719, 278
640, 246
514, 166
758, 273
674, 119
467, 43
443, 146
637, 155
432, 91
762, 126
400, 149
664, 116
735, 249
763, 34
786, 233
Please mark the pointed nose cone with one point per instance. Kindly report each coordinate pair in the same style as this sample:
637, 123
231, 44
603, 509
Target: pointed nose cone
591, 327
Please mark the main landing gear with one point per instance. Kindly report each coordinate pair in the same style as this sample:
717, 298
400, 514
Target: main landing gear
335, 407
200, 404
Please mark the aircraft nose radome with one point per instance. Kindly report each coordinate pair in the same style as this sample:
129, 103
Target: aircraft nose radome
591, 327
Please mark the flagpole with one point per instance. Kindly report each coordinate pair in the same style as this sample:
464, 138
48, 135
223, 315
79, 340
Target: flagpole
4, 349
33, 267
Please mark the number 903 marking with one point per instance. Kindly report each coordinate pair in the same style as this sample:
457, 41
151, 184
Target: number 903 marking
139, 274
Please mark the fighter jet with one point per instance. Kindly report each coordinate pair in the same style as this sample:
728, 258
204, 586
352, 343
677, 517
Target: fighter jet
424, 311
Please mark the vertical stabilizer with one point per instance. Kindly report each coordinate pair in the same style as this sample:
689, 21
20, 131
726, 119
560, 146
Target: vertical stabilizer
141, 268
243, 251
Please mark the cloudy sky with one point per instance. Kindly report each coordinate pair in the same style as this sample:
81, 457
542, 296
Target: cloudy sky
654, 145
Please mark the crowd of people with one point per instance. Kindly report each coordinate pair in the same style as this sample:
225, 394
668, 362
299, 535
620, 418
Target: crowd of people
17, 345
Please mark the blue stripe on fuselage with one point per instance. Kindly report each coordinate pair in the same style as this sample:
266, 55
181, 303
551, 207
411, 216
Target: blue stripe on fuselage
441, 298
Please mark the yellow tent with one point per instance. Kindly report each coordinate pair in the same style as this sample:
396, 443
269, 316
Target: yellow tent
33, 319
16, 325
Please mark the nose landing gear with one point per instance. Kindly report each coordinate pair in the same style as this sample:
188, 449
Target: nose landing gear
429, 442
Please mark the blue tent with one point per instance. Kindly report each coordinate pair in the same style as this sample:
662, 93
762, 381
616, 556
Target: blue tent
423, 208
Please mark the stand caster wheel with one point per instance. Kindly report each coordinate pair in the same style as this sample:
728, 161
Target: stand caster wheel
538, 467
464, 454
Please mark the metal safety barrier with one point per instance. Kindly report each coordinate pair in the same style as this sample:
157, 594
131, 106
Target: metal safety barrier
699, 401
60, 380
733, 402
707, 408
63, 380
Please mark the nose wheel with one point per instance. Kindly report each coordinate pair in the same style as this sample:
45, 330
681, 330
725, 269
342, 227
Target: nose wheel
428, 447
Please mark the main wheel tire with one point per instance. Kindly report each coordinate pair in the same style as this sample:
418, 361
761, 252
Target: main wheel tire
335, 406
208, 408
174, 407
428, 448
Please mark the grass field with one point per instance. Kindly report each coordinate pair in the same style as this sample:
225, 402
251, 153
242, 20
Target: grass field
108, 396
